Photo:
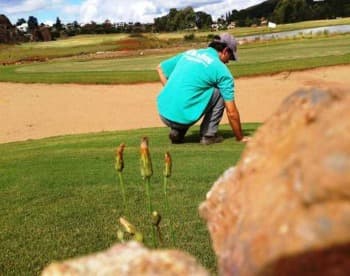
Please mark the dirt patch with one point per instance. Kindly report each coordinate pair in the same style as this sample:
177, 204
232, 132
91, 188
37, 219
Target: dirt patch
31, 111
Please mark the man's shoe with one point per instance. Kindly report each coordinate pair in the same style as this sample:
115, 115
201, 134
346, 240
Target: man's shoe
176, 137
208, 140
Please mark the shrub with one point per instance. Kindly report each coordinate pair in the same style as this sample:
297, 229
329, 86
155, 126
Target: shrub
211, 36
189, 37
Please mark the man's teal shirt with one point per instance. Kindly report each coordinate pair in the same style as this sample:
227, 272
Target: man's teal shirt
192, 77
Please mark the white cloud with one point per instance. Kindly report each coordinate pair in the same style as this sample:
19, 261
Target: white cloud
71, 11
28, 6
49, 22
99, 10
88, 10
221, 8
146, 10
115, 10
25, 6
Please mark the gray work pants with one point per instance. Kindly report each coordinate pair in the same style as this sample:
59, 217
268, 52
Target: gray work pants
212, 117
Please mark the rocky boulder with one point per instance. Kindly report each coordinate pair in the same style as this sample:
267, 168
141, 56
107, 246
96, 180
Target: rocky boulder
129, 259
285, 208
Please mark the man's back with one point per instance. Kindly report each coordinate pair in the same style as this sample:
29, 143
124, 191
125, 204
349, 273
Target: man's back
192, 77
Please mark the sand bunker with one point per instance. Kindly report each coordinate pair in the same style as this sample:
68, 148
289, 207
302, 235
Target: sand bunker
32, 111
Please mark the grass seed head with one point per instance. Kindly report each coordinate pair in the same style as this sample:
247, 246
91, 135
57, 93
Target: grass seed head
120, 235
128, 227
156, 218
145, 159
138, 237
119, 158
167, 165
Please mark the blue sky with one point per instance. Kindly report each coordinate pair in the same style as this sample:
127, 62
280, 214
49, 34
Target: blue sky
84, 11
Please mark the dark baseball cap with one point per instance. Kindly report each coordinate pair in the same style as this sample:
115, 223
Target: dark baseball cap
231, 43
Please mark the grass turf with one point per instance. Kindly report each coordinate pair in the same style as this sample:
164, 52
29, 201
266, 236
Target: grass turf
60, 197
254, 59
84, 44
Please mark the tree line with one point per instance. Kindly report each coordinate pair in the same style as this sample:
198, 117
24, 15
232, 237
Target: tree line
58, 29
278, 11
290, 11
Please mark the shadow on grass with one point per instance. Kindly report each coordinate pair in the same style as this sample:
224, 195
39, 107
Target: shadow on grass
193, 136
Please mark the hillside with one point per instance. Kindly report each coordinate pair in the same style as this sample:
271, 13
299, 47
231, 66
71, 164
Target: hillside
289, 11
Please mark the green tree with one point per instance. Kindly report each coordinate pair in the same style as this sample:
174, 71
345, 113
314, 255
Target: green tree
32, 23
171, 20
176, 20
58, 25
160, 24
108, 27
186, 18
20, 21
288, 11
203, 20
337, 8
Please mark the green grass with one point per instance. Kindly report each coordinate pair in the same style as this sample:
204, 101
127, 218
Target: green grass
60, 197
254, 59
83, 45
288, 55
245, 31
77, 41
37, 52
75, 46
290, 27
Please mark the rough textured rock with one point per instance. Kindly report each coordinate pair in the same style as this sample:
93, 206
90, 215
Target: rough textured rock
285, 208
129, 259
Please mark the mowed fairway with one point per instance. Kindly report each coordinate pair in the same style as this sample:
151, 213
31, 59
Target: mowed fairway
267, 52
77, 41
257, 58
147, 63
60, 196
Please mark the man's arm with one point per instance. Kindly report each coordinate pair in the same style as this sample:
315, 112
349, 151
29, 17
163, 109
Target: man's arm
166, 67
234, 120
162, 77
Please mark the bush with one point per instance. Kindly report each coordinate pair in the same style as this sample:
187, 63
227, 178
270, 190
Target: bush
211, 36
136, 35
189, 37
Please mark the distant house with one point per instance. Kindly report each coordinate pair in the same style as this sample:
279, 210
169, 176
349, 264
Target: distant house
216, 26
263, 21
120, 24
69, 26
272, 25
232, 25
23, 27
195, 28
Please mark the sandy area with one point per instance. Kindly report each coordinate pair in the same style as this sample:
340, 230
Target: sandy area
31, 111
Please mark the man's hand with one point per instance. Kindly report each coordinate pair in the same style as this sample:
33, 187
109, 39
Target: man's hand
245, 139
234, 119
161, 75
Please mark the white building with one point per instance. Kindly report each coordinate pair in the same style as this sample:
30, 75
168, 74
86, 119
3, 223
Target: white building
272, 25
23, 28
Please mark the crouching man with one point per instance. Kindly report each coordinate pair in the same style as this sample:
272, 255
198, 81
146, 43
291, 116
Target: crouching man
196, 84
